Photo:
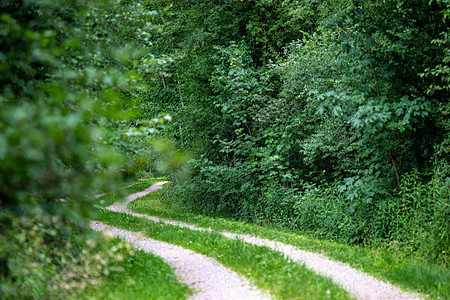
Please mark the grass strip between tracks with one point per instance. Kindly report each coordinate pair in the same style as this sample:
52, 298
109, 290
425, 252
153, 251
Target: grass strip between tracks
411, 273
267, 269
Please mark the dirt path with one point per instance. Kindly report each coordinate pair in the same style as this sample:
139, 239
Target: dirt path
354, 281
210, 279
206, 276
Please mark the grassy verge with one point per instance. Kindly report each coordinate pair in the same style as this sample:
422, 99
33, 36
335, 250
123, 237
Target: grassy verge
267, 269
146, 277
411, 273
137, 275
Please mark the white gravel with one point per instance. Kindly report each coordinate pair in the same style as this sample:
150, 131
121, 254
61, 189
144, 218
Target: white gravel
121, 206
357, 283
210, 279
153, 188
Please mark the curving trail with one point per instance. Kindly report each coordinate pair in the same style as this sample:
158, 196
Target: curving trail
209, 278
359, 284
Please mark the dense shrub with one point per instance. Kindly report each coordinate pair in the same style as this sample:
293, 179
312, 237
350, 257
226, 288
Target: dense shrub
67, 71
217, 190
413, 220
420, 215
324, 135
55, 259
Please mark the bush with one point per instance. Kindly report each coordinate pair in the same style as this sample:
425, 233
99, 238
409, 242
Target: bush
337, 212
51, 258
414, 221
217, 190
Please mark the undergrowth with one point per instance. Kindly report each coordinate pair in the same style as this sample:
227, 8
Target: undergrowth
414, 219
388, 262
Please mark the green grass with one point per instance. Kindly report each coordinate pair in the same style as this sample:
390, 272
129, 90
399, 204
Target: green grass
267, 269
411, 273
144, 276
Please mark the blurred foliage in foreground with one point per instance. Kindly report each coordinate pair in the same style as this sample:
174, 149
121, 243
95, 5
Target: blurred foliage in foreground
69, 78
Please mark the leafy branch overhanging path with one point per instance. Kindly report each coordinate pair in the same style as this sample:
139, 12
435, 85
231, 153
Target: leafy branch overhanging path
359, 284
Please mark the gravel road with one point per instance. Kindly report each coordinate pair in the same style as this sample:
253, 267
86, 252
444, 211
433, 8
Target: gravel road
210, 279
357, 283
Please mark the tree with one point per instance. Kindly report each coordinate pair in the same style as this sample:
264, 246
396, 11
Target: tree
67, 69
